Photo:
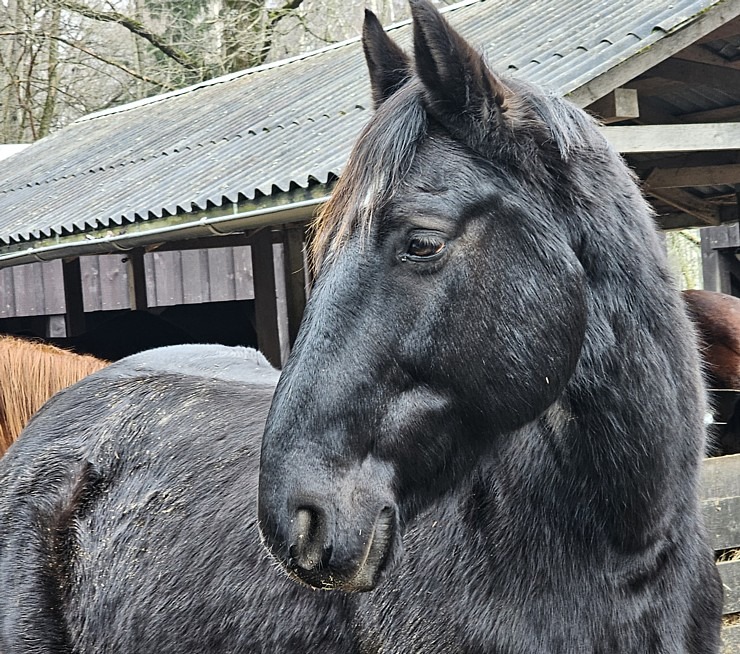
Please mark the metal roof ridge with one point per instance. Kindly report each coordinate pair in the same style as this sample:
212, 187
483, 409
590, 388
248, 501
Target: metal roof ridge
249, 71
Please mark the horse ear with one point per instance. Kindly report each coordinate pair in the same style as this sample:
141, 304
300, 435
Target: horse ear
387, 64
459, 87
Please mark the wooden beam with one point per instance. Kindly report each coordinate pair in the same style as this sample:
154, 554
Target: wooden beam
651, 85
730, 113
705, 211
635, 139
620, 104
265, 302
685, 160
136, 280
728, 29
295, 279
693, 73
704, 55
652, 114
74, 314
677, 219
693, 176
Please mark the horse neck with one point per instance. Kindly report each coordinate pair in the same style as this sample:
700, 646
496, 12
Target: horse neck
616, 457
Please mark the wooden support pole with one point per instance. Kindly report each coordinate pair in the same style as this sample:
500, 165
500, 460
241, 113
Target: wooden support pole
136, 280
715, 267
295, 279
265, 305
74, 310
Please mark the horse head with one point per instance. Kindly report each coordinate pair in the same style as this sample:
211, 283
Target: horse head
440, 322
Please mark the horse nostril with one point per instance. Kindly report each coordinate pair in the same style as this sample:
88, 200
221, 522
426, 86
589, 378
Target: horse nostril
308, 547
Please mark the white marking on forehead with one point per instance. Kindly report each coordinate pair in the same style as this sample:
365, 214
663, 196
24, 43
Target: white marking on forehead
367, 202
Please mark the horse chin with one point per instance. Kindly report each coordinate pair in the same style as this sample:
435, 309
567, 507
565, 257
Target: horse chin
376, 556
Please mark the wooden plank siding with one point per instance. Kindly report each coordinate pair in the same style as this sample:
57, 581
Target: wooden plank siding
721, 507
35, 289
173, 277
722, 236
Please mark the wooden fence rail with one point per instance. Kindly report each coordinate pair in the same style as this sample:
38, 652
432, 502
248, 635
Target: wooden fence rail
721, 506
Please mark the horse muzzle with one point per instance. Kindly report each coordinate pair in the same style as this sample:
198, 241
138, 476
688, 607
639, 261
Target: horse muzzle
316, 559
337, 535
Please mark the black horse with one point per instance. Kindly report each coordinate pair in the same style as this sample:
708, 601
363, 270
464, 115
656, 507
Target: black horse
492, 419
493, 415
128, 518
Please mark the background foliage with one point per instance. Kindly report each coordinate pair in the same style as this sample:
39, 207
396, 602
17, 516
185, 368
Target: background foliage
61, 59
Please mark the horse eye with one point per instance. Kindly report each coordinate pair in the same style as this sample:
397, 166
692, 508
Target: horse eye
424, 246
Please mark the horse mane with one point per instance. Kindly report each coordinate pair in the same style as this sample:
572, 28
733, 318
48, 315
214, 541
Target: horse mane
30, 373
542, 124
376, 167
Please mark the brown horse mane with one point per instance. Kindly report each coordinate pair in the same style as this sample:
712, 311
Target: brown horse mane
30, 373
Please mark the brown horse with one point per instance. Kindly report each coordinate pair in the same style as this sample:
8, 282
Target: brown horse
30, 373
717, 318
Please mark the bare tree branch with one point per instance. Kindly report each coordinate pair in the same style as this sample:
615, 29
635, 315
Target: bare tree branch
273, 18
52, 67
135, 27
105, 60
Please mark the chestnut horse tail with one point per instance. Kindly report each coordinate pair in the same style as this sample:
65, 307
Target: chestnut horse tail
30, 373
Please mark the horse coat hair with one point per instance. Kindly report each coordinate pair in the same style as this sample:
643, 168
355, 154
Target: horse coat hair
127, 517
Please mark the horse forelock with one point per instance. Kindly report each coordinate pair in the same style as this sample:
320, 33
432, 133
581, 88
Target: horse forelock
375, 170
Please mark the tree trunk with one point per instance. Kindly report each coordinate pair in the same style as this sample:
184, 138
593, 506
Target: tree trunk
12, 60
52, 89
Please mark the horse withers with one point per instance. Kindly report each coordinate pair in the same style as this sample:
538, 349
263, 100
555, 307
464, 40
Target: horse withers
492, 420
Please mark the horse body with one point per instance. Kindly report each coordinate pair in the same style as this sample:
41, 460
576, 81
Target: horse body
126, 519
498, 435
717, 318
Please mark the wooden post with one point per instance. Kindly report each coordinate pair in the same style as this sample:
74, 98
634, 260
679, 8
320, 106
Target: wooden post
74, 310
265, 306
295, 279
715, 267
136, 280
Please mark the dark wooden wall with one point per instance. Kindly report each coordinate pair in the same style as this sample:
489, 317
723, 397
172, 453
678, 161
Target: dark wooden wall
265, 266
177, 277
720, 266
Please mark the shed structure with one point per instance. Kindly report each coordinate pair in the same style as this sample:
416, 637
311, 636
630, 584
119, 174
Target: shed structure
205, 192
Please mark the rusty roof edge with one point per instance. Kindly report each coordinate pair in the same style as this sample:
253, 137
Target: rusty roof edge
663, 47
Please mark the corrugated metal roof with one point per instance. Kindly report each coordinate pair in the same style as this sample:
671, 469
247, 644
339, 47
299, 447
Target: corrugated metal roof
290, 124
